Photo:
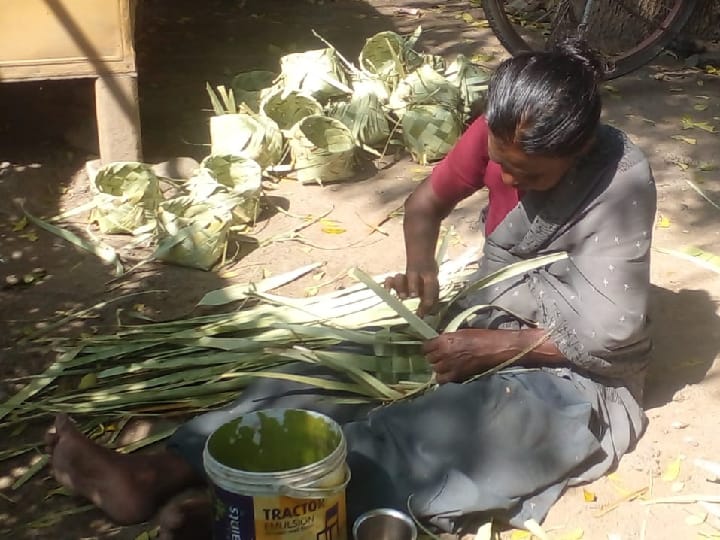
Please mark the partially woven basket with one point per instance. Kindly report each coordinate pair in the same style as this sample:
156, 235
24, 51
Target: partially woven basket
127, 195
323, 150
287, 109
251, 86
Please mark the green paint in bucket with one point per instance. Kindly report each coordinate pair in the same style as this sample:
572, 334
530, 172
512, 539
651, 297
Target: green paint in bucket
278, 474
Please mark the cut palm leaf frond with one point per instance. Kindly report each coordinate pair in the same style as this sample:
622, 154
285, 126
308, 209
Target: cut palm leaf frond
695, 255
241, 291
417, 324
104, 252
703, 194
511, 271
39, 384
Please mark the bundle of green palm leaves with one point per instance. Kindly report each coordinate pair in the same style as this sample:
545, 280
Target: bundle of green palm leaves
195, 364
191, 364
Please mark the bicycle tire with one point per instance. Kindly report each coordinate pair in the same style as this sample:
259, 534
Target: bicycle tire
643, 53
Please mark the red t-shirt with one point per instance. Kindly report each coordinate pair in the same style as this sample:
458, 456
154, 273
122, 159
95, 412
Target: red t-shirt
467, 168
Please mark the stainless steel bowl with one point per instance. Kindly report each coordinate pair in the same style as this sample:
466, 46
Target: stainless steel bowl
384, 524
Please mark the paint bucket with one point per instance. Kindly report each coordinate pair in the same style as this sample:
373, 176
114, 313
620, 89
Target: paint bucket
384, 524
278, 474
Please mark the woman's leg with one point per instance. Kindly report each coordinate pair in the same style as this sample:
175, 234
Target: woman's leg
128, 488
131, 488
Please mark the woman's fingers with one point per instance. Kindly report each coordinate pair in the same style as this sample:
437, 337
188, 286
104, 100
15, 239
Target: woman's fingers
428, 295
398, 283
415, 285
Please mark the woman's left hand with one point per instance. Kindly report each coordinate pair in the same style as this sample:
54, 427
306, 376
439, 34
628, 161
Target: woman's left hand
457, 356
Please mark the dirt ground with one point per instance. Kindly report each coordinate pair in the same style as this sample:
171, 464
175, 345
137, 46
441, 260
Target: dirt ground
46, 137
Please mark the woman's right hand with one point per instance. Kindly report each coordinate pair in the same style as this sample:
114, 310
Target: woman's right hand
424, 212
417, 283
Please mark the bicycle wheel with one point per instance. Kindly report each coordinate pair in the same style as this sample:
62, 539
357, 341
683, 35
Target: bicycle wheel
629, 33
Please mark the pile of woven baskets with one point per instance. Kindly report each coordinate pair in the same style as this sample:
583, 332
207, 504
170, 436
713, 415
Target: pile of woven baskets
310, 121
323, 109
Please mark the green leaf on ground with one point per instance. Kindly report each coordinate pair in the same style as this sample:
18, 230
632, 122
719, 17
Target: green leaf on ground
689, 123
687, 140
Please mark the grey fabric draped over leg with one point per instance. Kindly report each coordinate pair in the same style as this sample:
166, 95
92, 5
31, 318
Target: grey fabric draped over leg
505, 445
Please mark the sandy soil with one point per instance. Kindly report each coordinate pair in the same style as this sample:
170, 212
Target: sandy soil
181, 44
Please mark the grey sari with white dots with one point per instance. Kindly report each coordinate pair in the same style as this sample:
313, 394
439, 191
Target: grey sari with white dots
594, 303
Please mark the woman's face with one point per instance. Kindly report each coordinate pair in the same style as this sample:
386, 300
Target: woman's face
528, 172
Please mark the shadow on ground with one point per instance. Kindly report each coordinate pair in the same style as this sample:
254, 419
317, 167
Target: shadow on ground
686, 336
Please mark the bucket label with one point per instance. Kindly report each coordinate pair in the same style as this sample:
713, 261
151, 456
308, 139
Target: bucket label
241, 517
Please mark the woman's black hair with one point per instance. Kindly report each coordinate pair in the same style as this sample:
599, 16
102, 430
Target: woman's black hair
547, 102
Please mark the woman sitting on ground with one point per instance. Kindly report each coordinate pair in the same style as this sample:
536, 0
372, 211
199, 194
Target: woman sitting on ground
505, 445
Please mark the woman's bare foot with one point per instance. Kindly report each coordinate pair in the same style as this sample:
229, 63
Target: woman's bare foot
189, 518
129, 489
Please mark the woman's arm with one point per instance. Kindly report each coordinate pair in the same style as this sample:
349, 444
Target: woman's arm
424, 212
457, 356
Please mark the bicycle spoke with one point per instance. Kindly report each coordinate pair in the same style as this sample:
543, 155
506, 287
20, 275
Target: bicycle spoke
628, 33
612, 26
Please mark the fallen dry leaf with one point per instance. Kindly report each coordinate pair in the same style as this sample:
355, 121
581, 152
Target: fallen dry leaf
625, 498
227, 274
330, 226
663, 222
638, 117
482, 58
589, 496
20, 224
312, 291
680, 164
688, 140
689, 123
672, 471
32, 236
